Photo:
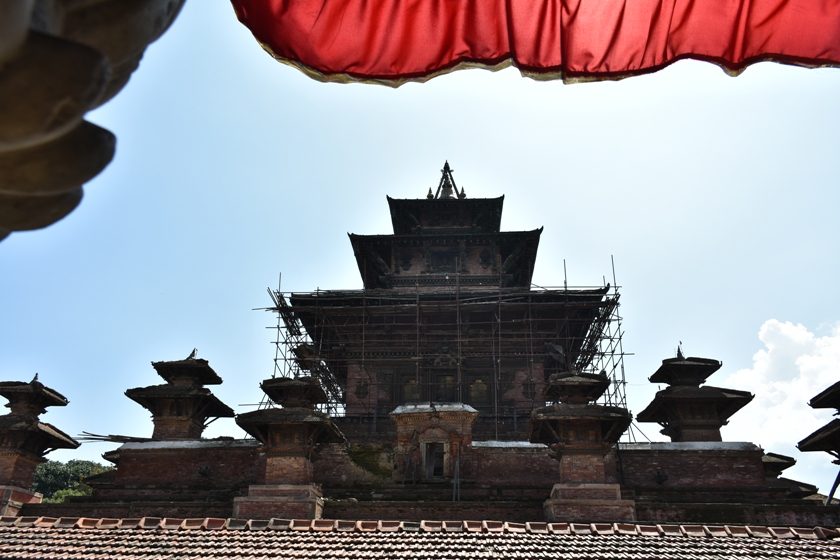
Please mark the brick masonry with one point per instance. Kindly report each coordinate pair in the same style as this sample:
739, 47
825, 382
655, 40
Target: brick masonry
18, 467
693, 469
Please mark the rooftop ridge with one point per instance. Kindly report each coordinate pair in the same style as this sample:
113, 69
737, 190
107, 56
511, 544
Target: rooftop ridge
383, 526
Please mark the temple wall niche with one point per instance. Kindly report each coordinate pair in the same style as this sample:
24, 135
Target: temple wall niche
527, 390
408, 260
363, 392
480, 259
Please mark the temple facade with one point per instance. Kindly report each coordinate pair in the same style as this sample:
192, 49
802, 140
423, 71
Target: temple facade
447, 314
449, 388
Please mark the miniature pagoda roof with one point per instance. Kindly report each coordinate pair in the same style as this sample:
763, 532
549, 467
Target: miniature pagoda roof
774, 463
826, 438
48, 436
294, 393
614, 420
576, 387
30, 398
726, 401
192, 369
258, 422
685, 371
830, 398
149, 396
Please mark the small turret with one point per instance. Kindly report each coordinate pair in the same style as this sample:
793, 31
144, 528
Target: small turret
290, 437
685, 410
24, 440
180, 408
582, 436
572, 423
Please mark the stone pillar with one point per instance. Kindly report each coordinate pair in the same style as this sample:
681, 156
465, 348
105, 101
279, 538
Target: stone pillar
181, 407
24, 440
289, 437
582, 436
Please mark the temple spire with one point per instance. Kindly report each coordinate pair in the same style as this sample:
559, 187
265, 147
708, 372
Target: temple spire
447, 187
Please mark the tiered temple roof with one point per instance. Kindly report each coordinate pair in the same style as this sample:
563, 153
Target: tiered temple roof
685, 410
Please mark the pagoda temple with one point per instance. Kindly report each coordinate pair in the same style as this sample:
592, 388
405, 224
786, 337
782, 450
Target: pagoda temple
448, 387
447, 314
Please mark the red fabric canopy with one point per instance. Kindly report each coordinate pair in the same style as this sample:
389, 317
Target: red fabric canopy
392, 41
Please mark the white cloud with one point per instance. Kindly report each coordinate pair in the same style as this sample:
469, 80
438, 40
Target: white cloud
795, 366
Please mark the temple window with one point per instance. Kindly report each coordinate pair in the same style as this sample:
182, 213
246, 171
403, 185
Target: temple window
478, 390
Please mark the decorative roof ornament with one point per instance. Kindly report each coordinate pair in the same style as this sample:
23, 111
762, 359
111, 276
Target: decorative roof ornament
447, 187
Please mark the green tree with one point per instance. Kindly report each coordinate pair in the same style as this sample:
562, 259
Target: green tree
57, 480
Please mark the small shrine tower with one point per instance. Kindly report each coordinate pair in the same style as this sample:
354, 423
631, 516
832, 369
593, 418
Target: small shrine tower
582, 436
24, 440
290, 437
180, 408
685, 410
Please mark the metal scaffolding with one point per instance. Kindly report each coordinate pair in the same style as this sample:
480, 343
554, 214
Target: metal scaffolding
492, 348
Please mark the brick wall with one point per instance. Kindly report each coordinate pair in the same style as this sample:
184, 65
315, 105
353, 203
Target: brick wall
223, 466
125, 510
334, 467
790, 515
17, 468
515, 466
693, 469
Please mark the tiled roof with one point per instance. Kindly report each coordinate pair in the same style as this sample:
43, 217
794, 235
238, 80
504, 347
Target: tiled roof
46, 538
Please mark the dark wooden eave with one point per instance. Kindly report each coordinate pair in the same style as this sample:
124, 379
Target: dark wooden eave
197, 370
830, 398
726, 402
614, 421
416, 216
826, 439
42, 436
150, 398
373, 254
685, 371
258, 423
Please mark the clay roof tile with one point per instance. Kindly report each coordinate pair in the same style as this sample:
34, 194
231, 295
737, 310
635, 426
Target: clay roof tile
150, 522
237, 524
258, 524
346, 526
280, 524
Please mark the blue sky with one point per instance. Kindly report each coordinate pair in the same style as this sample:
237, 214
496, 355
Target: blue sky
716, 196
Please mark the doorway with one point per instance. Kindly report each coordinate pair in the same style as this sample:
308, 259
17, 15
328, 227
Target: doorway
434, 460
